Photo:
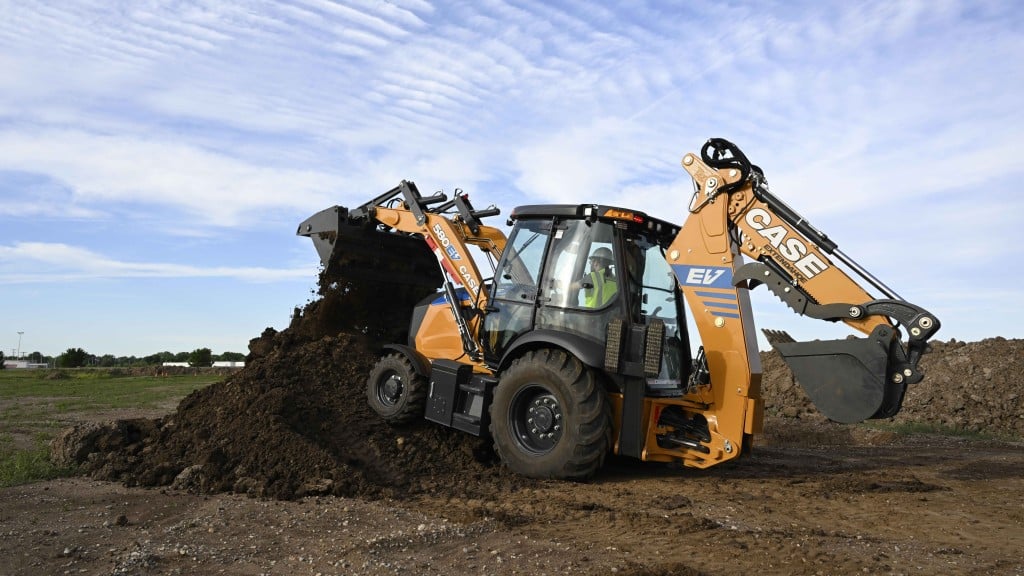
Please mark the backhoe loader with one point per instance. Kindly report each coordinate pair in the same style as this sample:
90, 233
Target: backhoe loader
576, 346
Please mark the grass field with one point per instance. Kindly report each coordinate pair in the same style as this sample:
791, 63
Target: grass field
36, 404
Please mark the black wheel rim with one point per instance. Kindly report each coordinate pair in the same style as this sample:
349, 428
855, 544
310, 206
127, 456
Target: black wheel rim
389, 388
536, 419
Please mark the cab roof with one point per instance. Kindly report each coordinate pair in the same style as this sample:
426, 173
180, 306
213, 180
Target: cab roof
601, 212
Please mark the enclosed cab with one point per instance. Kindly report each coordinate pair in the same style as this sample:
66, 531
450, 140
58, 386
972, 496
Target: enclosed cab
582, 292
594, 281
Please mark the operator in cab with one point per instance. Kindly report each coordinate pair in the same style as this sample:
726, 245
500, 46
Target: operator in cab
600, 285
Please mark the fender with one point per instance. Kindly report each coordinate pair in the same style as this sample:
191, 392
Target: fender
419, 362
587, 351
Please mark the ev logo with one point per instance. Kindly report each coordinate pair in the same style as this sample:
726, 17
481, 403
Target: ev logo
704, 276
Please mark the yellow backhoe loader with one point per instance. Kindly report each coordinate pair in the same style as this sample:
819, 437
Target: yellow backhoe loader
575, 345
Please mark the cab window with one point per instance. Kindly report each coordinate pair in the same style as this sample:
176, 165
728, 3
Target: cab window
520, 272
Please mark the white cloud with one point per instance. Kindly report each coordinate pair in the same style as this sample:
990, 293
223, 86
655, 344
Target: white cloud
212, 187
43, 262
891, 126
575, 164
390, 24
48, 209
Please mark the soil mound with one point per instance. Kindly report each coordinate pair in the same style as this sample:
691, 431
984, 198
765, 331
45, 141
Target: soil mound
976, 387
294, 421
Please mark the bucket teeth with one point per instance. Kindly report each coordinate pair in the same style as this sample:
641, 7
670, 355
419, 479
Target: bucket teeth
777, 337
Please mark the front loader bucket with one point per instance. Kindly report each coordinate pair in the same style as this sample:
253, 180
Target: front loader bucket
322, 229
848, 380
353, 248
374, 276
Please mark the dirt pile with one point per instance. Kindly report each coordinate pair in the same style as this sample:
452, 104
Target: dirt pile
295, 421
977, 386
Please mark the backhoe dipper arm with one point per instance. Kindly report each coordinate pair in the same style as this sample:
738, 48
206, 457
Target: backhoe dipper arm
735, 213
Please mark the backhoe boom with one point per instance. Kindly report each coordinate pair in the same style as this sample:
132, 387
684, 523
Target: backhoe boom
849, 380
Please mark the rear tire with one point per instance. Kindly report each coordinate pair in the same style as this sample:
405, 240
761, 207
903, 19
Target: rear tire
396, 391
550, 417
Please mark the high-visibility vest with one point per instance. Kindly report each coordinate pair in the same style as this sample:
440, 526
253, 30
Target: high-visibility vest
603, 291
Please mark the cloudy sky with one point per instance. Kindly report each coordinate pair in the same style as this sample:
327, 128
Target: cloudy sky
157, 156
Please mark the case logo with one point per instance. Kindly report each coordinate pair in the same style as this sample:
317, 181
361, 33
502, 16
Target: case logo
789, 247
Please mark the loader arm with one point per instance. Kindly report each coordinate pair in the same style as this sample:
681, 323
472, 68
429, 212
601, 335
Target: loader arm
403, 213
733, 214
448, 241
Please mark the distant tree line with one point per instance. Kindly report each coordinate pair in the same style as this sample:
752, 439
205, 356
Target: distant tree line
77, 358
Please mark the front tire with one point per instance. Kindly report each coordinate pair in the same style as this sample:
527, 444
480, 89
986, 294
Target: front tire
550, 417
396, 391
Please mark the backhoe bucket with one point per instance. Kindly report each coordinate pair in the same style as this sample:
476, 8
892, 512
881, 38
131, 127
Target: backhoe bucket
848, 380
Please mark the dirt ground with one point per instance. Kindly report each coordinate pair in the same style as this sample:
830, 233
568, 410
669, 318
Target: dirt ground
283, 469
819, 499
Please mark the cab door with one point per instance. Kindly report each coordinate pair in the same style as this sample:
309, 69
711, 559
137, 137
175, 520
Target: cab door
516, 287
569, 277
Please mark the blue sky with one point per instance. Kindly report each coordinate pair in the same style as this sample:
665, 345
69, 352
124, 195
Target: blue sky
157, 156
